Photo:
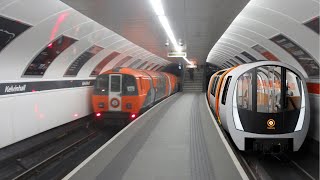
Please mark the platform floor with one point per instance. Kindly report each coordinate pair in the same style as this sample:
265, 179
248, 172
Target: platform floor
179, 143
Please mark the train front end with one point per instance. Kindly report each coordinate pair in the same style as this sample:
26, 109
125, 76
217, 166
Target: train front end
270, 109
116, 99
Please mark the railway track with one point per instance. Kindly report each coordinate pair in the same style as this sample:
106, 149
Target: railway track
273, 167
46, 162
265, 167
57, 157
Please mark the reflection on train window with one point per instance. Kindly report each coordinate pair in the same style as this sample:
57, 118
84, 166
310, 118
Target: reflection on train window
265, 90
102, 85
41, 63
115, 83
9, 30
244, 92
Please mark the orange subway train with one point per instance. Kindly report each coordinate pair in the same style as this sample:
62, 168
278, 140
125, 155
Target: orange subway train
120, 95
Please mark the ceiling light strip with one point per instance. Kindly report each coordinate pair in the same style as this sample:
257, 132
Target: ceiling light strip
158, 9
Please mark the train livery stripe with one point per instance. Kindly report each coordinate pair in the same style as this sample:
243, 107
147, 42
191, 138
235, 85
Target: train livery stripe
313, 88
26, 87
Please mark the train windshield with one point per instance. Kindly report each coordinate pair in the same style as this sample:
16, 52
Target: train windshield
268, 100
128, 88
101, 86
269, 89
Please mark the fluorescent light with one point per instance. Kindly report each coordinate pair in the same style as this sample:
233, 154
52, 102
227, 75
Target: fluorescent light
157, 7
166, 26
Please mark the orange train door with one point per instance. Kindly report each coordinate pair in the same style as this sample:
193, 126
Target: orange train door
218, 91
115, 90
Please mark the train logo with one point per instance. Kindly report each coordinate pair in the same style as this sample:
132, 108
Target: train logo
115, 102
271, 123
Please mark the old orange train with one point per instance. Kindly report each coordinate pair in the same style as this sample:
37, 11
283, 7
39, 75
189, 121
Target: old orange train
120, 95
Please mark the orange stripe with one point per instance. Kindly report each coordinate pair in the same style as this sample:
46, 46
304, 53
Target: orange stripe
313, 88
218, 91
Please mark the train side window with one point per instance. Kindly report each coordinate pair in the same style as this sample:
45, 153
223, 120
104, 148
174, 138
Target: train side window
213, 84
225, 90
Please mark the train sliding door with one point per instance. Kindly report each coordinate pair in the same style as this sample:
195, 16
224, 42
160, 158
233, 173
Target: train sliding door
115, 91
269, 100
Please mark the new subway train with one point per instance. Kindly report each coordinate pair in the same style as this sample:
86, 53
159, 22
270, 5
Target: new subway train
264, 106
120, 95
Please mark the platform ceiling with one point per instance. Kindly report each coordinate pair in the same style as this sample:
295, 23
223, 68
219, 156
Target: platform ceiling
198, 23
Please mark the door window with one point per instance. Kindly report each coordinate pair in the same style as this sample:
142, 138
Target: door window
115, 83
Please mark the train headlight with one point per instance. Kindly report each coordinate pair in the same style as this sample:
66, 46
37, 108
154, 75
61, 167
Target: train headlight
302, 111
235, 112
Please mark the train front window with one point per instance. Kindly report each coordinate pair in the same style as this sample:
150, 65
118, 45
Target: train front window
115, 83
129, 85
269, 98
269, 89
101, 86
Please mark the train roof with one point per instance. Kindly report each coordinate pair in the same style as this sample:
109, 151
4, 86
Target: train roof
133, 72
239, 70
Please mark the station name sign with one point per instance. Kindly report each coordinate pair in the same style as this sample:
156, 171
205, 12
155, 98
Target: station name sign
177, 54
36, 86
15, 88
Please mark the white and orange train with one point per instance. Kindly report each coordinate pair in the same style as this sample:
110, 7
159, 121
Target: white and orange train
122, 94
264, 106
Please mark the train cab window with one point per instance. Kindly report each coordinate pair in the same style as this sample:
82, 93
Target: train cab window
115, 83
129, 85
101, 86
269, 89
225, 90
269, 98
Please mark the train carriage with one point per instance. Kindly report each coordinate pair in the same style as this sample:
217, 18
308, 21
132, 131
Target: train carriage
120, 95
264, 106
